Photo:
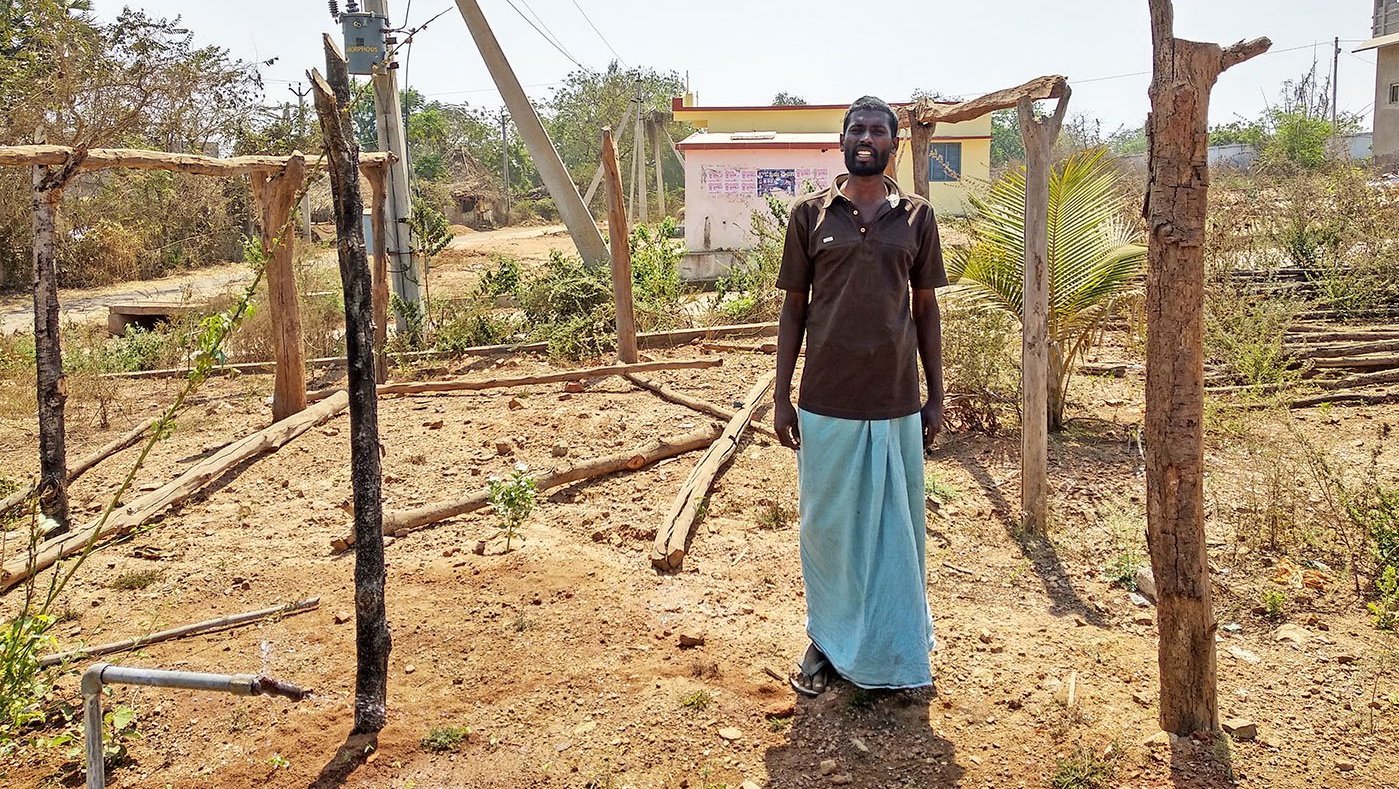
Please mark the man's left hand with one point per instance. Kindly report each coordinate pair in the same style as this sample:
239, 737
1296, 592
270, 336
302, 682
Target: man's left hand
932, 420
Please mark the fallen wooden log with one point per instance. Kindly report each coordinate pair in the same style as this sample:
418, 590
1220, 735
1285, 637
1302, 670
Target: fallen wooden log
1361, 380
462, 384
667, 339
184, 631
689, 401
128, 518
76, 470
767, 347
399, 522
1356, 362
1345, 349
1109, 369
668, 553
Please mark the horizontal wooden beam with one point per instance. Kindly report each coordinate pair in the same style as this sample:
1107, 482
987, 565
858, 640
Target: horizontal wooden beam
1048, 87
140, 159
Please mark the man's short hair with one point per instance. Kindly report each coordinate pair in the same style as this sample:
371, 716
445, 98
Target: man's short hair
871, 104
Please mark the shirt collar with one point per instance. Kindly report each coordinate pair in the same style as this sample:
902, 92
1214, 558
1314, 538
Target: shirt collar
896, 195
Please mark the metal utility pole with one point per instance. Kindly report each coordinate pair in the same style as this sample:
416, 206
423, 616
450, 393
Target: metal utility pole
505, 161
1335, 78
301, 146
404, 270
546, 157
639, 154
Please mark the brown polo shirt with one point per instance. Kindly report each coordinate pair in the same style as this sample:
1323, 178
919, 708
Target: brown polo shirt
861, 342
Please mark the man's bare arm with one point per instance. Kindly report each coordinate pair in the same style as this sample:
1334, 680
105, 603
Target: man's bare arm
928, 320
791, 328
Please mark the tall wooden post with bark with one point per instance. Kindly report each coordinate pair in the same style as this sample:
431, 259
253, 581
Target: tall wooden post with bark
1038, 135
48, 351
620, 251
1184, 72
276, 196
372, 639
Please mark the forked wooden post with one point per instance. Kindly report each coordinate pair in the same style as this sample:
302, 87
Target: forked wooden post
920, 135
1184, 72
1039, 136
276, 196
620, 240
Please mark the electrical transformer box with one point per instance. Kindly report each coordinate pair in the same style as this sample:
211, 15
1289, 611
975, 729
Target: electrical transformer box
364, 41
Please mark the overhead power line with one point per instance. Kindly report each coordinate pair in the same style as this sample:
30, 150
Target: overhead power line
599, 32
545, 36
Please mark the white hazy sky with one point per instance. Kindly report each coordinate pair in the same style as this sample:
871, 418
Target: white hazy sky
745, 51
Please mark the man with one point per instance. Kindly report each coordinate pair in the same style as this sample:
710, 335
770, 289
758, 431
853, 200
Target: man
853, 253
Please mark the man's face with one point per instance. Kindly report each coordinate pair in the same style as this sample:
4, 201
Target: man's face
867, 143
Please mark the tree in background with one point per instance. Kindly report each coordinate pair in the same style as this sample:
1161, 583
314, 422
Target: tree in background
1006, 143
785, 99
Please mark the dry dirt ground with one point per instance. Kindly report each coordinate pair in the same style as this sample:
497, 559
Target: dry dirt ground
563, 659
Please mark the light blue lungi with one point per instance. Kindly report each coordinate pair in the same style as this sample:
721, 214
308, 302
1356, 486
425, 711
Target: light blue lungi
862, 541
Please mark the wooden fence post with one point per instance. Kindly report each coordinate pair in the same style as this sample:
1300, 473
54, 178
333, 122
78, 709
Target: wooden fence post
919, 137
48, 350
621, 247
372, 638
1038, 136
276, 197
1184, 72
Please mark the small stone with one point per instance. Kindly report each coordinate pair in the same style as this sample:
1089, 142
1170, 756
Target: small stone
1239, 653
1346, 658
503, 448
749, 785
1146, 582
573, 387
480, 548
828, 766
1294, 634
585, 727
1161, 738
859, 746
731, 734
1240, 729
1144, 619
985, 637
1138, 600
514, 404
691, 638
409, 668
1142, 699
342, 617
1232, 627
559, 451
1345, 765
841, 779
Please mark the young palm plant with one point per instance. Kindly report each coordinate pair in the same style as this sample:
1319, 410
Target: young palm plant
1093, 258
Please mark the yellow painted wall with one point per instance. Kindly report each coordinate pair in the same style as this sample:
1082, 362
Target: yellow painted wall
948, 198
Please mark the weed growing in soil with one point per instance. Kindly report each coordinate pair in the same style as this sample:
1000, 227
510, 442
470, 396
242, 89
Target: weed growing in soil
779, 725
748, 293
1274, 603
1084, 769
501, 280
1122, 569
446, 738
937, 490
774, 516
697, 701
279, 762
135, 580
512, 499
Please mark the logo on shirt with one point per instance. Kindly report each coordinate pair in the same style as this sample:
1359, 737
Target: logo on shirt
828, 239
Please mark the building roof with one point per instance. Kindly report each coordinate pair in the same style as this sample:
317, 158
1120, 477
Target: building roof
715, 141
1376, 43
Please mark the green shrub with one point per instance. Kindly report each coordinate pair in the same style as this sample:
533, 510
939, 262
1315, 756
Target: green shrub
748, 293
502, 279
1244, 336
472, 322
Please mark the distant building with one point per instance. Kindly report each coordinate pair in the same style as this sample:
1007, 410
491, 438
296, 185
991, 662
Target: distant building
1386, 44
743, 154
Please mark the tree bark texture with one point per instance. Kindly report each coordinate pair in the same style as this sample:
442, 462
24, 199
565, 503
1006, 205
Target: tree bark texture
276, 197
48, 350
919, 136
378, 200
1178, 180
620, 250
372, 638
1038, 136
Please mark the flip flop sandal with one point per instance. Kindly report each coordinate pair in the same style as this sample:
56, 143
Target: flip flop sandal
816, 670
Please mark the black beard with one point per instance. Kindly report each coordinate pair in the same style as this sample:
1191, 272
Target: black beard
873, 166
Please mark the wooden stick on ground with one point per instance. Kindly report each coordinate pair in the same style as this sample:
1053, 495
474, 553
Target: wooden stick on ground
132, 516
400, 522
689, 401
97, 456
462, 384
669, 550
184, 631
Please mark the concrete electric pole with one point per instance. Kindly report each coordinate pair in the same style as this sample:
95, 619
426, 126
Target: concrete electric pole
541, 149
301, 146
505, 161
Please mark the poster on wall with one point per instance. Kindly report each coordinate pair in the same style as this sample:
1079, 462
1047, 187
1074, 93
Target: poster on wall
777, 182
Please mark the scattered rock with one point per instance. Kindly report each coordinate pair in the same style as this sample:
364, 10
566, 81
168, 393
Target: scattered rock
559, 451
1240, 729
1346, 658
585, 727
480, 548
841, 779
1345, 765
1239, 653
409, 668
731, 734
503, 448
342, 617
1161, 738
749, 785
514, 404
691, 638
573, 387
1138, 600
1146, 583
986, 636
1144, 619
1142, 698
1231, 627
859, 746
1295, 634
828, 766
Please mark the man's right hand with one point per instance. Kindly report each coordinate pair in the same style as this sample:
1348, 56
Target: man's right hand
784, 422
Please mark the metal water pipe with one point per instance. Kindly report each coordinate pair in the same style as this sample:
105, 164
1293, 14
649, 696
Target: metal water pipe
100, 674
